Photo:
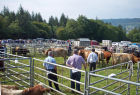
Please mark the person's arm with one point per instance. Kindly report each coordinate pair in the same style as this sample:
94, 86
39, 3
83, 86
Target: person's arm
88, 58
83, 61
44, 64
68, 62
55, 67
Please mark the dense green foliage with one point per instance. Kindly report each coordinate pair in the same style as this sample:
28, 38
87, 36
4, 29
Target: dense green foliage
23, 25
134, 35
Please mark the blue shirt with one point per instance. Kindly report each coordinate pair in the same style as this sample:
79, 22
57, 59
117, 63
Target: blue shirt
47, 65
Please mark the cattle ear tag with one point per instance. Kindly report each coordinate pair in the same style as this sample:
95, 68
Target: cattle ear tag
16, 61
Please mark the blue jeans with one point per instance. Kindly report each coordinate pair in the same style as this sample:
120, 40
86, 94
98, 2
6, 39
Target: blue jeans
75, 76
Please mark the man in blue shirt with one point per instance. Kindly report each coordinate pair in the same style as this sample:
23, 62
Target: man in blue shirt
92, 59
51, 68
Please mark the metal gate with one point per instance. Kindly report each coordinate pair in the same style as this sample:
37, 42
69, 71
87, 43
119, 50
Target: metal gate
16, 70
116, 84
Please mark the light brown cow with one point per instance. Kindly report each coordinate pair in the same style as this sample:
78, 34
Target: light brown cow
123, 57
57, 52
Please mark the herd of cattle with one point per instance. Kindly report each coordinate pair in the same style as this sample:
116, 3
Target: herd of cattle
103, 56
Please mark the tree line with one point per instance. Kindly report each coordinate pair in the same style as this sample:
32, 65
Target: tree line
25, 25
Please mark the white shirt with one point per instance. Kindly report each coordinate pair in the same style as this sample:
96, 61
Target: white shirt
92, 57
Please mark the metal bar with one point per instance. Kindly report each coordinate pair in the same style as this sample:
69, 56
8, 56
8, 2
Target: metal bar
125, 81
16, 82
50, 87
62, 77
60, 65
12, 74
60, 84
21, 63
19, 73
14, 67
20, 68
108, 67
104, 90
124, 91
119, 87
85, 86
138, 77
4, 59
22, 79
108, 85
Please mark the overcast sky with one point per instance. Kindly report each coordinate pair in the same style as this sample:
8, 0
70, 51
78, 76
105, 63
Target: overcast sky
103, 9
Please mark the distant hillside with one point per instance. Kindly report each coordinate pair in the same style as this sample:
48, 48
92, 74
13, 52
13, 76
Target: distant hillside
127, 24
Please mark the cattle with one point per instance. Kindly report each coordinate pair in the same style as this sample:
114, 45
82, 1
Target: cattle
101, 55
123, 57
79, 47
36, 90
84, 53
107, 56
57, 52
20, 51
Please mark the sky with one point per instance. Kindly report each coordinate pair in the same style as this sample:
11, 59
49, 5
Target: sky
101, 9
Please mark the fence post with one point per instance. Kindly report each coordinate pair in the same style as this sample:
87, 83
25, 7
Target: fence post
130, 74
138, 78
86, 83
31, 73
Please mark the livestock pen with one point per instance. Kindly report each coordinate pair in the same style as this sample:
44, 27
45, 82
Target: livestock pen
26, 71
15, 71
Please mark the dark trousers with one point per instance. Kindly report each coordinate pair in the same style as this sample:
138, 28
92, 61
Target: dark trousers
92, 66
75, 76
53, 77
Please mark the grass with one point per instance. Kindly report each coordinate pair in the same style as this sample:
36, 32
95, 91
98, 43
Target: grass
66, 73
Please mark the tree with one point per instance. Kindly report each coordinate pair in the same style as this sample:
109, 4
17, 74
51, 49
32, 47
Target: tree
61, 33
134, 35
71, 29
63, 20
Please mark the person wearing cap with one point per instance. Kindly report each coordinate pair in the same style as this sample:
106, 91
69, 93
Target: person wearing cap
75, 61
92, 59
51, 68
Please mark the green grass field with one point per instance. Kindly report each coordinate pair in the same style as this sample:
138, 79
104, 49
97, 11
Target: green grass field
66, 72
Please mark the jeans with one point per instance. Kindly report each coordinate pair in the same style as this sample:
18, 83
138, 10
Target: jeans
53, 77
92, 66
75, 76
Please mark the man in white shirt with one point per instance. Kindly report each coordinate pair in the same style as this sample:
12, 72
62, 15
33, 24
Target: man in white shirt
92, 59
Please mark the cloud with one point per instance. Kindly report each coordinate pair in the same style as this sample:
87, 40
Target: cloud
72, 8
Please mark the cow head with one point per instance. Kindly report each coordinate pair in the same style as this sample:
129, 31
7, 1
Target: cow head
81, 53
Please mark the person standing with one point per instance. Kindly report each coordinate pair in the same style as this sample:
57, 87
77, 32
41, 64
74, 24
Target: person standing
75, 61
51, 68
92, 59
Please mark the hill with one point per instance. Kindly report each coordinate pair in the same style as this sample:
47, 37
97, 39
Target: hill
127, 23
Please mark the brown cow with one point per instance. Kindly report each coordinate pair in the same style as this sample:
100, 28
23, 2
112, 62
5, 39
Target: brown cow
107, 56
101, 55
57, 52
20, 51
36, 90
84, 53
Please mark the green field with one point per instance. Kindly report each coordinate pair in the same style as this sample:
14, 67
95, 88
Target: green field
65, 72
